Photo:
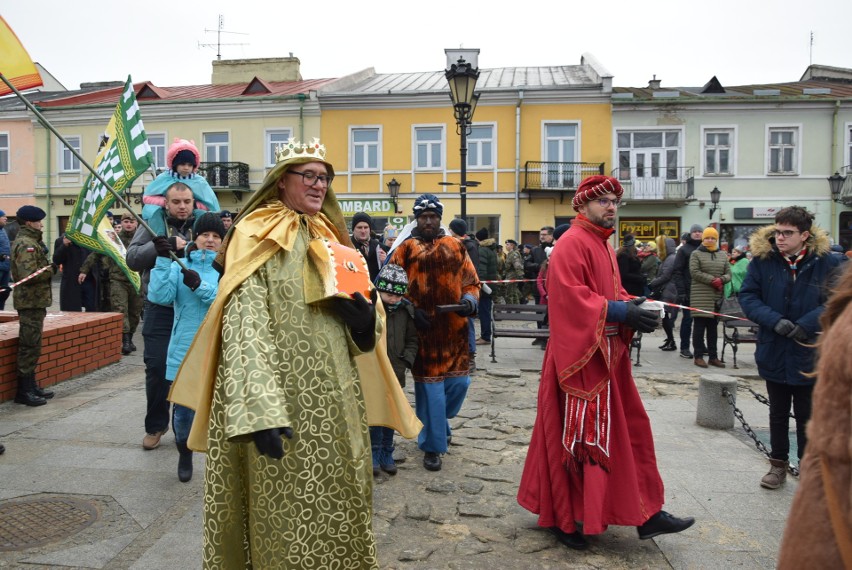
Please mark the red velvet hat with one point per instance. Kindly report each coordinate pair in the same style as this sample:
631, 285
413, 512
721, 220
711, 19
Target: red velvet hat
594, 187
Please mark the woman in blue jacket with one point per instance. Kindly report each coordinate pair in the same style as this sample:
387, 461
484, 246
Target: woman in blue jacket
191, 291
787, 283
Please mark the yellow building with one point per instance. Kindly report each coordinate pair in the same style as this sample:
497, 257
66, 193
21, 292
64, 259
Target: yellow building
536, 132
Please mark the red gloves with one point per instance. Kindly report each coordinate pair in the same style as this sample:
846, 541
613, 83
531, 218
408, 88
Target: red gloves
717, 284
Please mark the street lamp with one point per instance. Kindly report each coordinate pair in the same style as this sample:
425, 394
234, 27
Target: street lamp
461, 75
393, 188
835, 182
715, 194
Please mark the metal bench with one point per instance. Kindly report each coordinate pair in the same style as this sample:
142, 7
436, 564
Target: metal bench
522, 316
736, 332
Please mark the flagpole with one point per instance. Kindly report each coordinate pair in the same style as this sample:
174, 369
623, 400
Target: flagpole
82, 160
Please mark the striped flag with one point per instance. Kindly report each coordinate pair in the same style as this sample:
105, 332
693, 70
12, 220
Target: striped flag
124, 155
15, 62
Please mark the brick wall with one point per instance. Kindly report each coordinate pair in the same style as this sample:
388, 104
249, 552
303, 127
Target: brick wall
72, 344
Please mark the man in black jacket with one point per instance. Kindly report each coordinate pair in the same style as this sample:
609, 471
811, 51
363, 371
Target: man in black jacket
367, 243
533, 265
683, 281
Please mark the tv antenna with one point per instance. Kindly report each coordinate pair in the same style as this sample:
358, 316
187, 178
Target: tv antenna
218, 45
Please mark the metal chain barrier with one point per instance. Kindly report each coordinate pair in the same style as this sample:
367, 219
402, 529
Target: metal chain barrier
760, 397
750, 432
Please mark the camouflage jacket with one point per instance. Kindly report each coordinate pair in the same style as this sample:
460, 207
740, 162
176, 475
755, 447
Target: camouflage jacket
29, 254
114, 271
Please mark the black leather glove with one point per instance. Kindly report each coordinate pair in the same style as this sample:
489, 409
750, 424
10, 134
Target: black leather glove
421, 320
640, 319
784, 327
470, 307
191, 279
798, 333
358, 314
268, 441
162, 246
683, 300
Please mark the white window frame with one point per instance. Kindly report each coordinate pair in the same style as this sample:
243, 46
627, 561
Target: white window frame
158, 165
205, 144
284, 132
5, 152
680, 148
798, 144
732, 157
415, 143
474, 151
353, 146
64, 155
577, 141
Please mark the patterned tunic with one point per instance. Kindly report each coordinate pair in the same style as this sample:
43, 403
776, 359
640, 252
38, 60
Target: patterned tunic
284, 363
439, 273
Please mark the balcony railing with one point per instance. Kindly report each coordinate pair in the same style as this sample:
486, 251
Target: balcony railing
227, 175
544, 177
657, 184
846, 190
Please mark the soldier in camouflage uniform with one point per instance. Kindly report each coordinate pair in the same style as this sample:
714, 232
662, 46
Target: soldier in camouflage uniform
514, 270
123, 297
31, 299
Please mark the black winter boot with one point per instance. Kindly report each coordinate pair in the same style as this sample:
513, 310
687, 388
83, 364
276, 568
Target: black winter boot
132, 346
39, 391
184, 462
26, 391
125, 344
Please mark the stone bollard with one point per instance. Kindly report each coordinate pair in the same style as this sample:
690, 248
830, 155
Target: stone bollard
714, 411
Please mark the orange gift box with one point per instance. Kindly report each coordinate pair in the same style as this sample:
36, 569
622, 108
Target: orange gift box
342, 272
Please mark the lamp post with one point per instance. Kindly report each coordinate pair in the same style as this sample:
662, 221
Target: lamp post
461, 73
835, 182
715, 194
393, 188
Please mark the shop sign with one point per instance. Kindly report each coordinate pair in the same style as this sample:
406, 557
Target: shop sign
372, 207
649, 228
765, 212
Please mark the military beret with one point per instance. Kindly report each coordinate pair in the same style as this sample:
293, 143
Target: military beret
30, 214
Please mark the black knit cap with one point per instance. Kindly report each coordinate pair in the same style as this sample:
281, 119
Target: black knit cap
482, 234
209, 222
362, 217
184, 157
459, 226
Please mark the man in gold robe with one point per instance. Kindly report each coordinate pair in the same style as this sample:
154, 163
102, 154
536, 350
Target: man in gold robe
280, 404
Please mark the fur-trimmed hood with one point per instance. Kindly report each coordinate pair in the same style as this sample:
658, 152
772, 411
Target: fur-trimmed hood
762, 242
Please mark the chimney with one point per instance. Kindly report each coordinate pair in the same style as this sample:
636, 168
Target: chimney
654, 83
227, 71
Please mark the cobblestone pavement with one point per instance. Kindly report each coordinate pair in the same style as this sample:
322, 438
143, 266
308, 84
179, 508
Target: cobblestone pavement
85, 444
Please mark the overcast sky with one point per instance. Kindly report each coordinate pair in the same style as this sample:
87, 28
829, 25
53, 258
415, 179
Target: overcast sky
683, 43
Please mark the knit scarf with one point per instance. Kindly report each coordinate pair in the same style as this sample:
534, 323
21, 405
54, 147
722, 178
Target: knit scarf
793, 262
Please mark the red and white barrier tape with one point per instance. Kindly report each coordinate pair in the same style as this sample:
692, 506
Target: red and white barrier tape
511, 281
687, 308
27, 278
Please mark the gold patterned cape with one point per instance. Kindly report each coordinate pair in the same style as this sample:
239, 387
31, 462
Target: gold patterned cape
264, 227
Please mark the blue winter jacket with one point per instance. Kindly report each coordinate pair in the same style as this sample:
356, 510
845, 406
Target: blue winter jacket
5, 251
769, 293
166, 287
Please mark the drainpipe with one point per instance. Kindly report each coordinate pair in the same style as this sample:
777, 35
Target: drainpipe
518, 165
49, 224
834, 135
302, 98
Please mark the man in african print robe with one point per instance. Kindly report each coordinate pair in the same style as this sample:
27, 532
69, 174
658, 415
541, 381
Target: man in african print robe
439, 273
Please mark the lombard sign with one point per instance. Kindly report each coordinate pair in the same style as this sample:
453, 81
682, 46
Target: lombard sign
764, 212
352, 207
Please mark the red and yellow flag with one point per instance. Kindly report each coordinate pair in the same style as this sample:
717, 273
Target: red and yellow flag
15, 62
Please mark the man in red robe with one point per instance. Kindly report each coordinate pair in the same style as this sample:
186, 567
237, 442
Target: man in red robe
591, 460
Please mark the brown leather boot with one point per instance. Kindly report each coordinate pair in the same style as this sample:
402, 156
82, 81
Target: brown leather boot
700, 363
777, 474
716, 362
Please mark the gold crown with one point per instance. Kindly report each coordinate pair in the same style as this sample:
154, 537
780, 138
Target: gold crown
295, 149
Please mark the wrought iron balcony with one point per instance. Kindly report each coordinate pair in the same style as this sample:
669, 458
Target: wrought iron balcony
657, 184
541, 178
846, 190
226, 176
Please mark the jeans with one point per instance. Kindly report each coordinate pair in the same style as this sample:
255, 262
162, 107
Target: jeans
780, 397
699, 325
485, 316
685, 329
182, 422
669, 321
435, 403
156, 332
471, 335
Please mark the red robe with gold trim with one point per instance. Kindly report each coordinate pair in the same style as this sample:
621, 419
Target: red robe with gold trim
591, 457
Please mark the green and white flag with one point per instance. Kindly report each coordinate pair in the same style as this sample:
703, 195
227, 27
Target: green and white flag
124, 156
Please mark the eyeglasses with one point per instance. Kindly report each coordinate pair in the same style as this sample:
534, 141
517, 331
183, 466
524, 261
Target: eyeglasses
605, 202
311, 178
786, 233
